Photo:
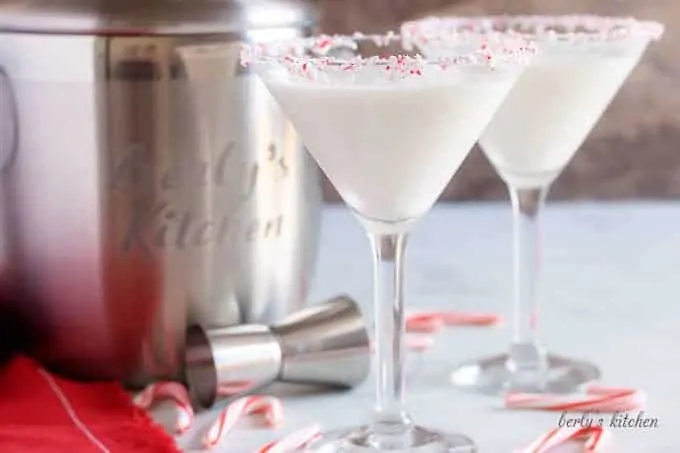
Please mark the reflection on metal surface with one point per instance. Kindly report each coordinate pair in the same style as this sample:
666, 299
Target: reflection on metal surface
153, 17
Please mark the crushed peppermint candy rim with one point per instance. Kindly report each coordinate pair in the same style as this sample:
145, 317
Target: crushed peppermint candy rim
313, 57
576, 29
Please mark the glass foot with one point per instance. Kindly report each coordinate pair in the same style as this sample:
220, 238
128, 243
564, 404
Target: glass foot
416, 440
492, 376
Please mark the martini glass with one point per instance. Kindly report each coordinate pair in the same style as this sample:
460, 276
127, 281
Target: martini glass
582, 62
389, 128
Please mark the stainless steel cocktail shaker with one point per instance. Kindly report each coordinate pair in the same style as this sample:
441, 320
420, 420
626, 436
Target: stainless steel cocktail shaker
150, 182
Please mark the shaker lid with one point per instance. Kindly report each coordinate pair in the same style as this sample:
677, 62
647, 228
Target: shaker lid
103, 17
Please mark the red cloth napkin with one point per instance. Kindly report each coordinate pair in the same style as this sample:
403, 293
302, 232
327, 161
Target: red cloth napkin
40, 413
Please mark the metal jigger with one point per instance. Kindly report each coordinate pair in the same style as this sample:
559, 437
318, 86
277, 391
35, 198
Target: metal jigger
327, 344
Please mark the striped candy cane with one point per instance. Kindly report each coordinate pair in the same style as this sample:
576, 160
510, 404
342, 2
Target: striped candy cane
424, 323
268, 406
595, 439
596, 399
432, 322
172, 391
419, 342
471, 319
293, 441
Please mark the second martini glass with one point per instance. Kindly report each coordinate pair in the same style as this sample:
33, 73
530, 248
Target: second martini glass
389, 129
581, 64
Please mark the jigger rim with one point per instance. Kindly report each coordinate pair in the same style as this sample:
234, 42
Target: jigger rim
200, 375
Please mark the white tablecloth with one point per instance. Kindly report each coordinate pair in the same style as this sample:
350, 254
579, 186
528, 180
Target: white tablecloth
610, 288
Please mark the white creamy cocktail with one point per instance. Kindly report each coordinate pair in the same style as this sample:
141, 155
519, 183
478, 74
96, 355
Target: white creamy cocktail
390, 148
389, 129
554, 106
581, 64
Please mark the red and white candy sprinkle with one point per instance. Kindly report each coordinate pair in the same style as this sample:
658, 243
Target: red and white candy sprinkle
311, 58
294, 441
575, 29
595, 439
172, 391
267, 406
596, 399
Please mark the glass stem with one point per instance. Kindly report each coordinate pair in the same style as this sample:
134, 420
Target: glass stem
527, 360
390, 423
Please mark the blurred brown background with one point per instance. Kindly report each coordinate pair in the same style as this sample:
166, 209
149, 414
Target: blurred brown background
634, 152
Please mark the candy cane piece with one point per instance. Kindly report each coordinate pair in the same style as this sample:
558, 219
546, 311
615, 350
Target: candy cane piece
172, 391
293, 441
471, 319
552, 438
268, 406
598, 441
433, 321
594, 439
413, 342
419, 343
596, 399
424, 323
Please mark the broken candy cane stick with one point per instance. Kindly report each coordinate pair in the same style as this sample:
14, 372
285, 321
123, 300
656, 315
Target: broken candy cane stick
268, 406
293, 441
419, 342
596, 399
416, 343
595, 439
434, 321
173, 391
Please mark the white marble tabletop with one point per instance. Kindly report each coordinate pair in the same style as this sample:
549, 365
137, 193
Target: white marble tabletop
610, 287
